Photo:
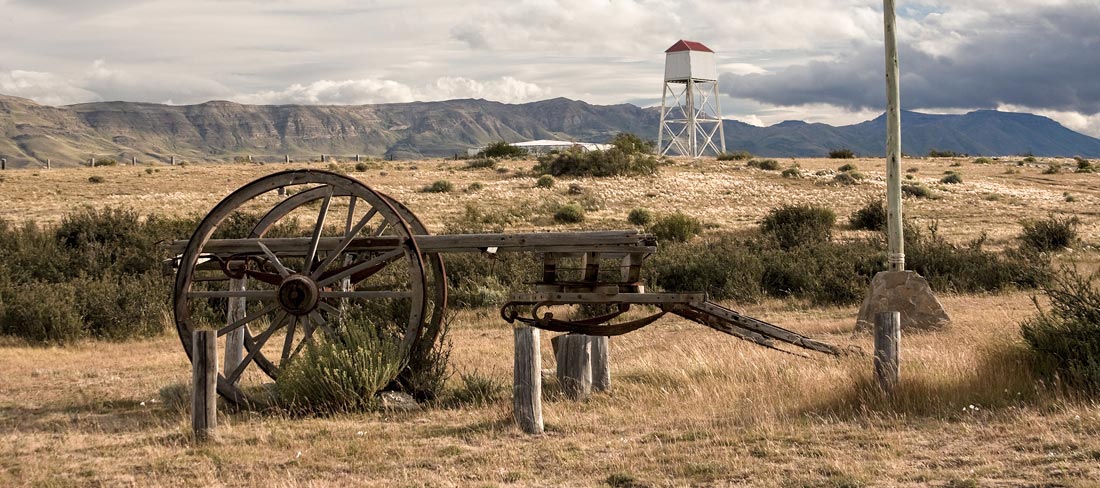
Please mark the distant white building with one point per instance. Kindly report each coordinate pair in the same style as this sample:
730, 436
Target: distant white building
544, 146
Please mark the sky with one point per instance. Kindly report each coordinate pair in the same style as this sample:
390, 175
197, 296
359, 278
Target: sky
812, 60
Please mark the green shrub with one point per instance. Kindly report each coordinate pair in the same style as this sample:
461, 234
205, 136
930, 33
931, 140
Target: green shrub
342, 374
848, 178
722, 266
934, 153
1052, 169
545, 181
96, 179
1066, 338
1029, 159
969, 268
441, 186
612, 162
951, 178
1049, 234
361, 167
481, 163
912, 169
106, 162
983, 161
796, 225
502, 150
1084, 165
477, 390
44, 313
765, 164
475, 186
792, 172
871, 216
640, 217
734, 156
916, 190
569, 213
575, 189
847, 167
632, 144
842, 154
676, 227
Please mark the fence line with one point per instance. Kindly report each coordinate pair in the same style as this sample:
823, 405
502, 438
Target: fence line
7, 163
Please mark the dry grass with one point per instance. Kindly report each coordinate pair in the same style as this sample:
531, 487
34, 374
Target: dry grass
689, 406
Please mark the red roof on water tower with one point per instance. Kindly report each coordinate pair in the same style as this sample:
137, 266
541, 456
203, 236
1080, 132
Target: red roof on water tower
683, 45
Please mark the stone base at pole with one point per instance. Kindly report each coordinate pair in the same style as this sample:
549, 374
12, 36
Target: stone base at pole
905, 292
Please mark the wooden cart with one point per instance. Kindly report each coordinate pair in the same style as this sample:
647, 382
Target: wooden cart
363, 252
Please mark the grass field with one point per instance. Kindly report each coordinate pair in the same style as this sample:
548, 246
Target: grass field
688, 406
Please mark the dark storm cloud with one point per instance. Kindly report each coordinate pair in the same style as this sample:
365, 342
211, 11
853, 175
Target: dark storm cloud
1048, 58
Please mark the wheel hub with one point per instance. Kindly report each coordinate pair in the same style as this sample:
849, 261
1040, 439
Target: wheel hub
298, 294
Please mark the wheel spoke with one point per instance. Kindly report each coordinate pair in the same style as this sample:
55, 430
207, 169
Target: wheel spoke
366, 294
318, 229
351, 214
259, 344
322, 323
274, 260
254, 294
381, 228
246, 319
308, 329
385, 258
288, 341
343, 244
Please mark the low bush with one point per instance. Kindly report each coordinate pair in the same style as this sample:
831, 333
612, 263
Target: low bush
1065, 339
481, 163
1084, 165
847, 167
545, 181
477, 390
612, 162
934, 153
475, 186
361, 167
96, 179
106, 162
1030, 159
569, 213
848, 178
342, 374
983, 161
842, 154
640, 217
502, 149
871, 216
916, 190
1052, 169
951, 178
676, 227
969, 268
1049, 234
765, 164
441, 186
734, 156
792, 172
795, 225
575, 189
42, 313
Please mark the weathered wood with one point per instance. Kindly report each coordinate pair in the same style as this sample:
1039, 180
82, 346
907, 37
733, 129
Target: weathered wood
635, 298
48, 163
173, 160
204, 384
288, 159
133, 160
3, 163
91, 161
551, 242
527, 380
356, 158
234, 340
601, 367
574, 365
591, 265
887, 347
895, 236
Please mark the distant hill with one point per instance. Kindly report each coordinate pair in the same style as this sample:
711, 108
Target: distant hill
30, 133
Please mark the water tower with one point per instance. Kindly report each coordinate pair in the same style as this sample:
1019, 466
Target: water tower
688, 125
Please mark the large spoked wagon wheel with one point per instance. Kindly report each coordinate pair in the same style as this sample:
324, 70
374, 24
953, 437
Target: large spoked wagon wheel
335, 254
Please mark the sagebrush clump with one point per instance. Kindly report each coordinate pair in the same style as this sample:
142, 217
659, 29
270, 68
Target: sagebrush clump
1065, 338
871, 216
1049, 234
676, 227
795, 225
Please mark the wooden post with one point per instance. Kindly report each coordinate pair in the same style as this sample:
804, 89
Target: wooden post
204, 384
3, 163
895, 236
287, 159
322, 158
527, 380
173, 160
601, 368
47, 163
574, 365
234, 340
250, 158
91, 161
887, 345
356, 158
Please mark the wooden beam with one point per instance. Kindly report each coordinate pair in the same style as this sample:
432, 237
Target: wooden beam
204, 384
527, 380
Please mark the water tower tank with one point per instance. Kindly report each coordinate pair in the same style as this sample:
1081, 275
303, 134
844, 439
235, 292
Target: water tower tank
690, 60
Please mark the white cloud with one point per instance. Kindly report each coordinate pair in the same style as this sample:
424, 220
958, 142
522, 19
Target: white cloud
366, 91
43, 87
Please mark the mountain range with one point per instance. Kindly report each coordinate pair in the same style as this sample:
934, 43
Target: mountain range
30, 132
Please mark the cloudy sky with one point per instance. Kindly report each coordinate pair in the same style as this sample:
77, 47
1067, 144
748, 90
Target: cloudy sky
814, 60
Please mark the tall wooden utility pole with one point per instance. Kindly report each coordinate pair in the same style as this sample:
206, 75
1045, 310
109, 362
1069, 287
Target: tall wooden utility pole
893, 143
